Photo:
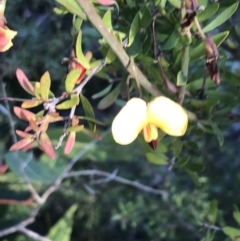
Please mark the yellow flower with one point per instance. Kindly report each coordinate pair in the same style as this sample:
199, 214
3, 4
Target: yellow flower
6, 34
137, 116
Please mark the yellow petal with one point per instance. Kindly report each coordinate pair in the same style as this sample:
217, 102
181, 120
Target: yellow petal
168, 116
150, 132
129, 121
6, 36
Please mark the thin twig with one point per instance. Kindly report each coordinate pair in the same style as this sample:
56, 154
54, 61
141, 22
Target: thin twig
32, 234
111, 177
64, 174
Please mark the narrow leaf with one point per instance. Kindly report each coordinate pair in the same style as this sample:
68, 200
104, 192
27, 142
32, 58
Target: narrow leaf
79, 53
62, 230
31, 103
24, 82
221, 18
73, 7
107, 19
70, 143
232, 232
88, 110
103, 92
110, 98
23, 114
157, 159
218, 133
71, 79
45, 84
46, 145
21, 144
67, 104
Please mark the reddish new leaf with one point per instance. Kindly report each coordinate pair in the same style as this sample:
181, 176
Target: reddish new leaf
106, 2
24, 82
3, 168
33, 125
21, 144
29, 146
31, 103
24, 114
46, 145
23, 134
70, 143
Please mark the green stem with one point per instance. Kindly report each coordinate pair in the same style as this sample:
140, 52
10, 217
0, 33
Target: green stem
95, 19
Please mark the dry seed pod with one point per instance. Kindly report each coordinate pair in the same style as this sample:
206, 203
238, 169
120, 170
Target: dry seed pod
211, 60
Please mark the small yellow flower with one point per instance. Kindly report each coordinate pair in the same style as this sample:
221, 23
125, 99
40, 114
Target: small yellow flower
137, 116
6, 34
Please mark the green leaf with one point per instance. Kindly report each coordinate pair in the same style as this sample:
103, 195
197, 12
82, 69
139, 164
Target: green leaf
45, 83
218, 132
133, 29
210, 235
177, 148
181, 79
194, 167
199, 51
232, 232
62, 230
172, 41
67, 104
34, 170
79, 53
221, 18
73, 7
145, 17
107, 19
88, 110
71, 79
157, 159
175, 3
103, 92
210, 10
236, 215
185, 64
110, 98
212, 215
194, 177
182, 162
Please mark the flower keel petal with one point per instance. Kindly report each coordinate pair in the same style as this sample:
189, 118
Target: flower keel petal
129, 121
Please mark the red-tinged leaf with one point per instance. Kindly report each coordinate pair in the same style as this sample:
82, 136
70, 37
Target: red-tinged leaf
24, 114
30, 146
75, 121
20, 144
55, 118
106, 2
3, 168
92, 134
70, 143
24, 82
76, 128
23, 134
45, 84
33, 125
46, 145
45, 124
31, 103
71, 79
